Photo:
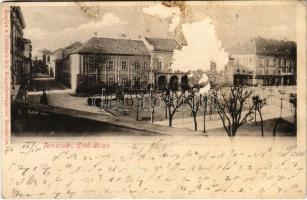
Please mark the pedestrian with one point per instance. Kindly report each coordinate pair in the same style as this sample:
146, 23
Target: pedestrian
44, 98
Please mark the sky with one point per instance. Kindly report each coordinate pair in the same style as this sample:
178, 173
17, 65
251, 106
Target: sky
217, 26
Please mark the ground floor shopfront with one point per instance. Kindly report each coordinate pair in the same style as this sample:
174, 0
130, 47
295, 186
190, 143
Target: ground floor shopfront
266, 80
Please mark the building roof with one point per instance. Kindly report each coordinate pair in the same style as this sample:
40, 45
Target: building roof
57, 51
265, 46
113, 46
70, 49
18, 12
160, 44
269, 46
26, 40
45, 51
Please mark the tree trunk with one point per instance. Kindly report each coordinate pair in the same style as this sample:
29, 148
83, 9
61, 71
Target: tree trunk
195, 121
255, 117
170, 121
205, 121
261, 123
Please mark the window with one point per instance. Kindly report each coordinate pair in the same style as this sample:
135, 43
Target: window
159, 66
282, 62
111, 80
124, 80
124, 65
238, 70
145, 65
261, 62
267, 61
110, 65
288, 63
271, 62
137, 65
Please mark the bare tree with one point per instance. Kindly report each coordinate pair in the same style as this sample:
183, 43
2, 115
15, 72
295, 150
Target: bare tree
172, 99
230, 109
258, 105
194, 102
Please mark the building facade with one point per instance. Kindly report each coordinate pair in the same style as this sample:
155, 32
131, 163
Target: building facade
17, 47
62, 63
161, 52
215, 77
27, 56
102, 62
263, 61
106, 62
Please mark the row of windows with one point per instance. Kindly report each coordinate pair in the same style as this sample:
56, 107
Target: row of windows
265, 61
284, 70
242, 61
271, 61
124, 65
124, 80
91, 67
278, 72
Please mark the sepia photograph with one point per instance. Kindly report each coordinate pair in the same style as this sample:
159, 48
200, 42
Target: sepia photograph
151, 69
168, 99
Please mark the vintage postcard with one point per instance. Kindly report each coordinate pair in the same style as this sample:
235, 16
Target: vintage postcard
167, 99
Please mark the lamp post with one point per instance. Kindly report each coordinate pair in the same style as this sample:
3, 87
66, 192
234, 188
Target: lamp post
151, 105
205, 110
282, 93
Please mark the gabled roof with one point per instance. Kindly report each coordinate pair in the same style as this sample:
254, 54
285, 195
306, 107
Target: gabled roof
265, 46
71, 48
113, 46
160, 44
269, 46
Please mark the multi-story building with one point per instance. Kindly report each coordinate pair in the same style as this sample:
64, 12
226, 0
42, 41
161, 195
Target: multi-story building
42, 63
106, 61
215, 77
229, 72
263, 61
62, 63
161, 51
17, 48
27, 55
109, 61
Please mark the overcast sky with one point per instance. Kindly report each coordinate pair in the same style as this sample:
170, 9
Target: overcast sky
58, 26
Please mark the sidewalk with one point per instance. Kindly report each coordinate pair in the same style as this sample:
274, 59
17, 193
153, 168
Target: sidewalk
216, 122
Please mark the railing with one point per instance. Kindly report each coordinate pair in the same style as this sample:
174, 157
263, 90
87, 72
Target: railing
89, 80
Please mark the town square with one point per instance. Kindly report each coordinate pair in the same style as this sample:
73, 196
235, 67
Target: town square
147, 85
171, 99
